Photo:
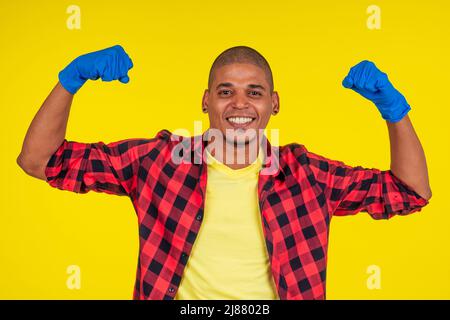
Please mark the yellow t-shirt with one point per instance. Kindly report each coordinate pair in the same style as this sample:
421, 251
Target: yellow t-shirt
229, 259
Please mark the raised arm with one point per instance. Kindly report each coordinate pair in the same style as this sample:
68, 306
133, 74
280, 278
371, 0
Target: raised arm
46, 132
408, 161
48, 127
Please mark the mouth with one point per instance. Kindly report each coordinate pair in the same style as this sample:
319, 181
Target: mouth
240, 122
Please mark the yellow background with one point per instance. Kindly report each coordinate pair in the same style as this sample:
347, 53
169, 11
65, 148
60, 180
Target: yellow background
310, 47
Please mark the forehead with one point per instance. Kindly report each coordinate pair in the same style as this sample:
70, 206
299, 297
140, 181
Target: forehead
240, 73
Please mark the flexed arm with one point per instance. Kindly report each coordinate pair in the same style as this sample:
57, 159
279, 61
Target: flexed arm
408, 161
48, 128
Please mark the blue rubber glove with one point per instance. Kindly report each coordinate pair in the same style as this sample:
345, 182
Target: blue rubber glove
108, 64
366, 79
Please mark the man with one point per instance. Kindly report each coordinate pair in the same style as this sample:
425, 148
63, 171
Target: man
222, 228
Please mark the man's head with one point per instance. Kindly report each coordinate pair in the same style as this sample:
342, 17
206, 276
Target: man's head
240, 92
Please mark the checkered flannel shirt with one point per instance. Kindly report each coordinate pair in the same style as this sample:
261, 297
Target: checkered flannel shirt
297, 202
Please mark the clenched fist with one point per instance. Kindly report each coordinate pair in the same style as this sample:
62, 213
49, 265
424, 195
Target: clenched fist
366, 79
108, 64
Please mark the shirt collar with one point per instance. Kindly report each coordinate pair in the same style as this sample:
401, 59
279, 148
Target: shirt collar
272, 164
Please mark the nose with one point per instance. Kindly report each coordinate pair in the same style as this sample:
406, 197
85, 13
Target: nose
240, 101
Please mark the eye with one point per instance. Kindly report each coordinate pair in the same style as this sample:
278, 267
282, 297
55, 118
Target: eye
255, 93
224, 92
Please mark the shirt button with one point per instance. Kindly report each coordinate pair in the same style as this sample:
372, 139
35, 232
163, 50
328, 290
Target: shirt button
199, 217
171, 289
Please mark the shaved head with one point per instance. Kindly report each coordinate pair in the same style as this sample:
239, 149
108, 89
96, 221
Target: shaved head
241, 54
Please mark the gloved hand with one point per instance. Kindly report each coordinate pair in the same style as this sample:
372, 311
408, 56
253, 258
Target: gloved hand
108, 64
366, 79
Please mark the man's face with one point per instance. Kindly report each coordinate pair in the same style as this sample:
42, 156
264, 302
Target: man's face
239, 99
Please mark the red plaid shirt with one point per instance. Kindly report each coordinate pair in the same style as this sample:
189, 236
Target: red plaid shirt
296, 203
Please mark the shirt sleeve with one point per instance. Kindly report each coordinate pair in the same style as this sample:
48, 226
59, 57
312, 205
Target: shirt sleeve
349, 190
110, 168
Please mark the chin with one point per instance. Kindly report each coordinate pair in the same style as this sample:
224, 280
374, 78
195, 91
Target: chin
245, 138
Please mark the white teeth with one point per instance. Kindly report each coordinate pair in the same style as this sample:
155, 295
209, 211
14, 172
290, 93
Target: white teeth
240, 120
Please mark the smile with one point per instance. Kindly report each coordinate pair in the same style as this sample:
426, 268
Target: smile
240, 120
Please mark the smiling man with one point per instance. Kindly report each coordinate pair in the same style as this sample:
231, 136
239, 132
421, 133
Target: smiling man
240, 100
225, 228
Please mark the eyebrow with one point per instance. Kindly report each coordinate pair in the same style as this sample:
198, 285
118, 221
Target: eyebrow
229, 84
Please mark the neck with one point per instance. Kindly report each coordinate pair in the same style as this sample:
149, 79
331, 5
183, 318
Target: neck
236, 156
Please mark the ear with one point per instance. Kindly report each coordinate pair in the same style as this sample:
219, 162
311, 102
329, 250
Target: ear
275, 103
205, 101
